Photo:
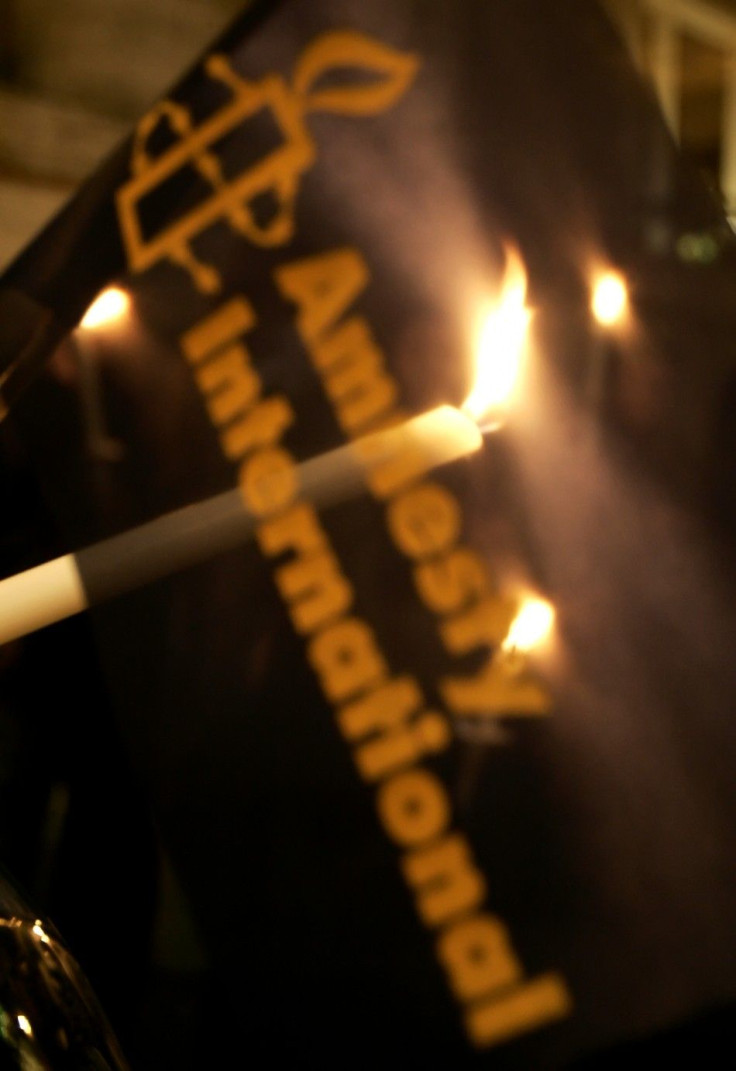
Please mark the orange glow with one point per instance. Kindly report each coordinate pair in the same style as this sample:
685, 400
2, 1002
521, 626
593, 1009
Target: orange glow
500, 347
531, 627
107, 308
610, 299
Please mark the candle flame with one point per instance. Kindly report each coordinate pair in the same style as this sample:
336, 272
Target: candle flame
610, 299
24, 1024
109, 306
531, 627
500, 347
39, 931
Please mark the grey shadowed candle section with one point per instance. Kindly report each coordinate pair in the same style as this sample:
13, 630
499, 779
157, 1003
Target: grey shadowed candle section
70, 584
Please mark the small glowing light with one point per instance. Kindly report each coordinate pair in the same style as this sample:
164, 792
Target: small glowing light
25, 1025
109, 306
610, 299
40, 932
697, 248
531, 627
500, 346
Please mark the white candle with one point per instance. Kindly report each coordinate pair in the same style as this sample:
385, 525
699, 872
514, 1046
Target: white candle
39, 596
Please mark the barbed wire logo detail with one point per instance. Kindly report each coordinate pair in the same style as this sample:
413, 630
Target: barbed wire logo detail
319, 84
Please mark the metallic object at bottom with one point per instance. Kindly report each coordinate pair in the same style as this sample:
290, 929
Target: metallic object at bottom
49, 1017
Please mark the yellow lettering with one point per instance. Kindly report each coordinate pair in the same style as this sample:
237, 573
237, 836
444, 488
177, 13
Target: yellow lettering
222, 326
298, 529
447, 584
385, 719
355, 377
424, 521
385, 713
486, 624
383, 708
315, 589
413, 807
346, 659
534, 1004
322, 287
477, 955
263, 425
268, 481
427, 734
446, 881
499, 689
228, 383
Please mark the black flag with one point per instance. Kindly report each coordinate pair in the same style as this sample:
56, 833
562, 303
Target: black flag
443, 765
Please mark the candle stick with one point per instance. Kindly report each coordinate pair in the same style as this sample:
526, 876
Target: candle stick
68, 585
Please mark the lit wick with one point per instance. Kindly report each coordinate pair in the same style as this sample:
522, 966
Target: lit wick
110, 306
107, 310
531, 627
72, 583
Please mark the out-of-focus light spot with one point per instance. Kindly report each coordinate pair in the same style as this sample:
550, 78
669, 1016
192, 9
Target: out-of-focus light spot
25, 1025
107, 308
697, 248
610, 299
499, 348
531, 627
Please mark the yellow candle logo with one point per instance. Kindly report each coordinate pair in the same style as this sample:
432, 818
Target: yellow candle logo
342, 72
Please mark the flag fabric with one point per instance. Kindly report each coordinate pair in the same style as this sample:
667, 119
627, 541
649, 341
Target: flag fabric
405, 837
